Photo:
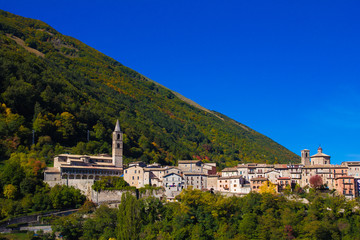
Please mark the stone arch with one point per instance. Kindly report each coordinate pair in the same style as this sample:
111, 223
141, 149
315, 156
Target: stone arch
91, 177
97, 178
78, 176
84, 177
71, 176
64, 176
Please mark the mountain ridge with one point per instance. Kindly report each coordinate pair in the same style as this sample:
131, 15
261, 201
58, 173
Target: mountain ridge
74, 90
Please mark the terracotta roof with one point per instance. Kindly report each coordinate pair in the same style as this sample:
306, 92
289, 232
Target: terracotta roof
284, 178
259, 179
345, 177
195, 173
232, 177
319, 166
281, 166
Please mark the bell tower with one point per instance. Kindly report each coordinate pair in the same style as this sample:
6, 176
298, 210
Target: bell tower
305, 157
117, 146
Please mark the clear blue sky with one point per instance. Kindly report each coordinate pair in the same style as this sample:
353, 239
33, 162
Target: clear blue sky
288, 69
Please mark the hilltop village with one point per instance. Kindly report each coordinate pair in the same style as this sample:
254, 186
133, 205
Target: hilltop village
81, 171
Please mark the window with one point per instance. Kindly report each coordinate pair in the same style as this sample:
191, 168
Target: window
135, 171
118, 137
118, 145
132, 177
138, 177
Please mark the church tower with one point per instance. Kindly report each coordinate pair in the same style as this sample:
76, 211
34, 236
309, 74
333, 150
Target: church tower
305, 157
117, 146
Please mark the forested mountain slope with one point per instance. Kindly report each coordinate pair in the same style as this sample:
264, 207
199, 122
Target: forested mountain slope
62, 88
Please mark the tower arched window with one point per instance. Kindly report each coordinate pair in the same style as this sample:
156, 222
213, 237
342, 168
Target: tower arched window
118, 136
118, 145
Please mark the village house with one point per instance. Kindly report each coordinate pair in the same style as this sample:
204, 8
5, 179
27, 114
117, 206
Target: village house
173, 184
257, 182
197, 180
233, 184
345, 185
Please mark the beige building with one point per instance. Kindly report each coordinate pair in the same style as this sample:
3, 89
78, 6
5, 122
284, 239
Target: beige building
233, 184
81, 171
197, 180
135, 176
212, 182
227, 172
320, 158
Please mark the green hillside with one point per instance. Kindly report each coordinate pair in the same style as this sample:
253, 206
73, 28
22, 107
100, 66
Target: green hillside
62, 89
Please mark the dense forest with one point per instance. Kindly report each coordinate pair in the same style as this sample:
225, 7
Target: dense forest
204, 215
66, 97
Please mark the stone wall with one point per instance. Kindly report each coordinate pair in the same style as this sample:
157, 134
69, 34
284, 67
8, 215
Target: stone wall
113, 197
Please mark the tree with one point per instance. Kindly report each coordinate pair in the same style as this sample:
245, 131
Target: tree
69, 227
316, 182
129, 219
268, 187
10, 191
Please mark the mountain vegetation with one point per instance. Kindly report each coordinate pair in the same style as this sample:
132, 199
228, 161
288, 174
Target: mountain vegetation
203, 215
66, 96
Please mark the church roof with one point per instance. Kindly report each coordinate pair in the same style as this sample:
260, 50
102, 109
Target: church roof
320, 153
117, 127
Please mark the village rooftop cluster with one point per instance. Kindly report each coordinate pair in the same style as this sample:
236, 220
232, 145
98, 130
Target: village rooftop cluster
81, 171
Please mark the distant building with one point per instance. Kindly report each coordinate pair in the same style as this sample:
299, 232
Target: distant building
346, 186
81, 171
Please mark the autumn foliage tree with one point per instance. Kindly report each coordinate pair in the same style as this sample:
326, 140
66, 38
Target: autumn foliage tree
316, 182
268, 187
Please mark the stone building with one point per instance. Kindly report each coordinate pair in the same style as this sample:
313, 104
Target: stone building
320, 158
173, 184
81, 171
197, 180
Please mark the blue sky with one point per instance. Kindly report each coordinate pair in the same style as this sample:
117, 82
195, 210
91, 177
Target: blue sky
287, 69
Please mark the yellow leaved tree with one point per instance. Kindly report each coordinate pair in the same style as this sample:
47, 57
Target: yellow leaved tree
268, 187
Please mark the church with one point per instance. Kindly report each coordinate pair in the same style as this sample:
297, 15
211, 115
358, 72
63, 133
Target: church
81, 171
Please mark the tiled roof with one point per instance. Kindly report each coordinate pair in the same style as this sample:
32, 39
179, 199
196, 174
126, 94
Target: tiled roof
284, 178
188, 161
52, 170
259, 179
230, 169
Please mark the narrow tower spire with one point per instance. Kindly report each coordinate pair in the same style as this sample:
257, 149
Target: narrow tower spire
117, 126
117, 146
